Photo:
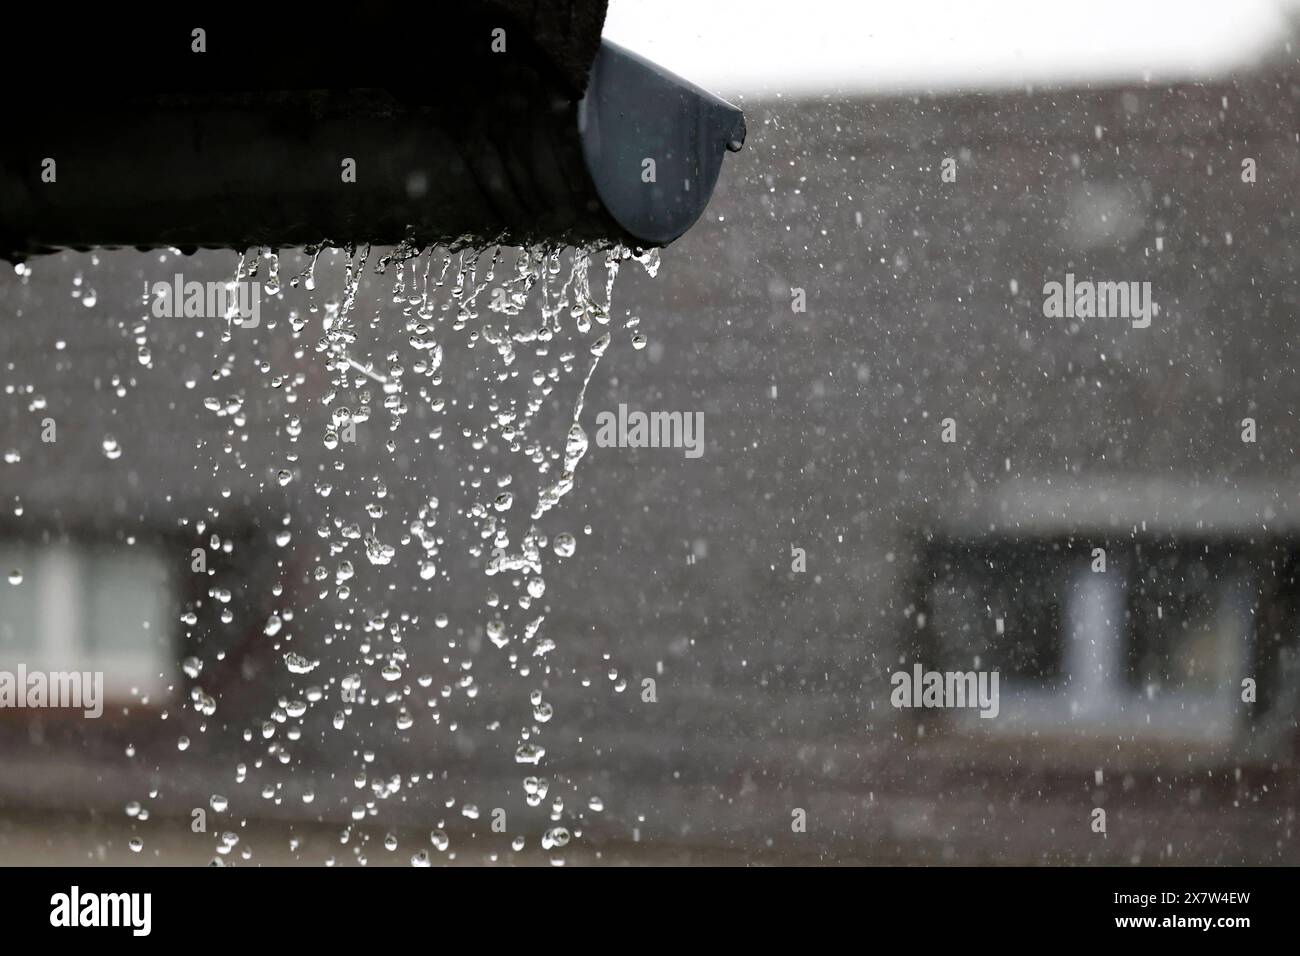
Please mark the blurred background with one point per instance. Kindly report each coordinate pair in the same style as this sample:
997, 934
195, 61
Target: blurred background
344, 683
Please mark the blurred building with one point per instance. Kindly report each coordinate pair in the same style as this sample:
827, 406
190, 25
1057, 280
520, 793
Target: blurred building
1120, 690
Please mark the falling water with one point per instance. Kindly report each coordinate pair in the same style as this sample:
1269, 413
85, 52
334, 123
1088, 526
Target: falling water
487, 486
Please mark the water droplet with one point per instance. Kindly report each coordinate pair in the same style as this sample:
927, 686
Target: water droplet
555, 838
529, 752
298, 664
378, 552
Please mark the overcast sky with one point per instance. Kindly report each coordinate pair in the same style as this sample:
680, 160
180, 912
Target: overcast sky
796, 46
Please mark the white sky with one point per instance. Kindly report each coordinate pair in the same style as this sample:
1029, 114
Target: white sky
796, 46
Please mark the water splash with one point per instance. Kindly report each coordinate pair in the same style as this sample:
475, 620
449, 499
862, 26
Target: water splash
446, 312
